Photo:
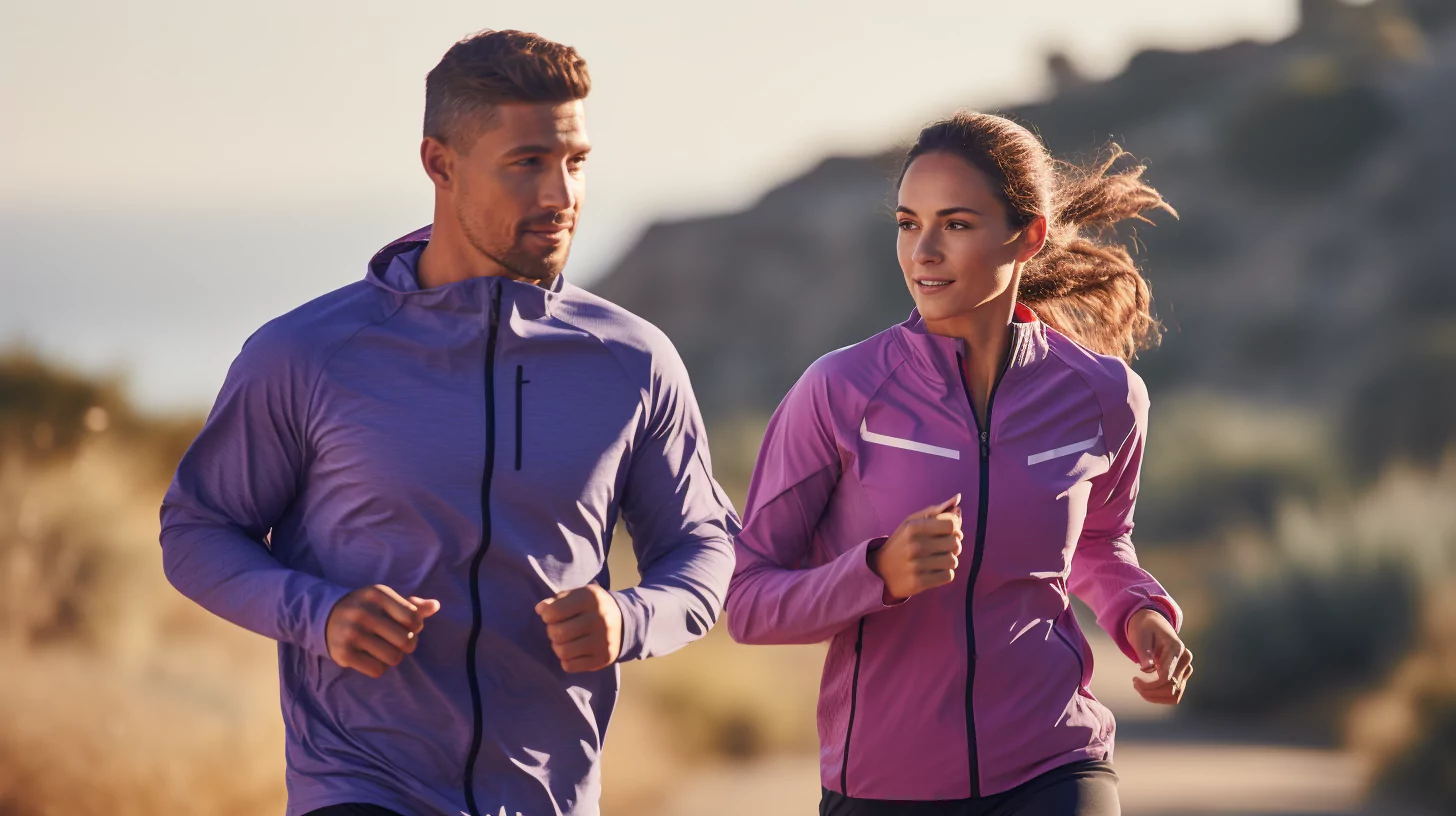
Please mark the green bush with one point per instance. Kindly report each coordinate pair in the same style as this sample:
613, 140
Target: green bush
1302, 632
1215, 464
1332, 601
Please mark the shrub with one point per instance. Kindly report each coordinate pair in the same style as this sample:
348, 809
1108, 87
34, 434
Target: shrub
1332, 602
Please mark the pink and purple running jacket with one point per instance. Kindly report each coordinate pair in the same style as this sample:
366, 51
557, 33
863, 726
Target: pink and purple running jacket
972, 688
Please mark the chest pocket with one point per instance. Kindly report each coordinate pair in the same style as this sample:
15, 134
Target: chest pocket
1065, 450
908, 460
1040, 491
905, 444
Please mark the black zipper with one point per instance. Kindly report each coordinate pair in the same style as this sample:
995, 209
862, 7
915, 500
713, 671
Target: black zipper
982, 508
520, 382
853, 703
478, 724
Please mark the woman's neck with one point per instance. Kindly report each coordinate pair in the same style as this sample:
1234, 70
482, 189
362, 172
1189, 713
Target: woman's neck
986, 331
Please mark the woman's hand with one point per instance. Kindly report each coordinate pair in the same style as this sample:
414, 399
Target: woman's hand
922, 553
1162, 654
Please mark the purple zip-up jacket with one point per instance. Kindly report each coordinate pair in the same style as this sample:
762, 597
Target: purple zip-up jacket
972, 688
473, 443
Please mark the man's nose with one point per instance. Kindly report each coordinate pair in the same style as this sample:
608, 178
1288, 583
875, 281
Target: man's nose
558, 192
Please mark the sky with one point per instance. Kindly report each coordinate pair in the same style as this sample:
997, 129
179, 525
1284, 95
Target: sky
174, 174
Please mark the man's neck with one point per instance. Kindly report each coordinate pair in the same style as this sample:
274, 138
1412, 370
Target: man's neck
447, 261
450, 258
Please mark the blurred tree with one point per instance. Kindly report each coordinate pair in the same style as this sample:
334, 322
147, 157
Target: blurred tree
1309, 136
1405, 410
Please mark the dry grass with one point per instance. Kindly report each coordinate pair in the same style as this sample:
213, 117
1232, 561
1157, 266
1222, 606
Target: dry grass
119, 696
193, 732
1408, 726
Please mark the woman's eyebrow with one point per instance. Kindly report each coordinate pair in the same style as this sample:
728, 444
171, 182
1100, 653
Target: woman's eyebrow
941, 213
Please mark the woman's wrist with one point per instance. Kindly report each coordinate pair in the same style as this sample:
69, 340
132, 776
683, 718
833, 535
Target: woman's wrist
872, 560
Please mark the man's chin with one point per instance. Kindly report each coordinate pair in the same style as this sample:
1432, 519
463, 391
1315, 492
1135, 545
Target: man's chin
540, 268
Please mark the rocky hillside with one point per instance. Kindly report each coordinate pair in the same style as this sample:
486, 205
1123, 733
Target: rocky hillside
1312, 265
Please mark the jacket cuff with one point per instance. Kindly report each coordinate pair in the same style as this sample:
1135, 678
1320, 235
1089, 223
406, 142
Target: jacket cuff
321, 598
635, 615
870, 546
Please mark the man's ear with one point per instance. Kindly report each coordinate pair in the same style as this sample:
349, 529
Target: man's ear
438, 160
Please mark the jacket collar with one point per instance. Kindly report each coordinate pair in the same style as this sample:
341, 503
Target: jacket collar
935, 356
394, 268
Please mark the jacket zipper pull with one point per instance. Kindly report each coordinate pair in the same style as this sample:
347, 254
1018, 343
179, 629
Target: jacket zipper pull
985, 443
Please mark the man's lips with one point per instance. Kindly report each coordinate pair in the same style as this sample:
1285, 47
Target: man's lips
553, 234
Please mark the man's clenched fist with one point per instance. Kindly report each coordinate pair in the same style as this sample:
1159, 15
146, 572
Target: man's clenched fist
585, 628
372, 629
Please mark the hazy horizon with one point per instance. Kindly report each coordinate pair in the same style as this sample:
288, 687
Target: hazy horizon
178, 175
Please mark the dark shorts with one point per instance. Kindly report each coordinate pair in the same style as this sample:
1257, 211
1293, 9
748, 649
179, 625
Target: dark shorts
352, 810
1086, 788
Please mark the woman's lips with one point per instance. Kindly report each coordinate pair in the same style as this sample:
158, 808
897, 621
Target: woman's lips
933, 284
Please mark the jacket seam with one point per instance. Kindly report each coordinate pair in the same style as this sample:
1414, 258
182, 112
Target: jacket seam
644, 392
840, 448
323, 367
1102, 415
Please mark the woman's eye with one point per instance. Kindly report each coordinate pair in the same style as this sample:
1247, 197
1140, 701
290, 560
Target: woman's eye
958, 225
905, 226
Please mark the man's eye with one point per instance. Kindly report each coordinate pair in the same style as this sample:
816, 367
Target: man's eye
530, 161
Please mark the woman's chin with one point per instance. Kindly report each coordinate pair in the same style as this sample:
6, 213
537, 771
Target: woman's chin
934, 311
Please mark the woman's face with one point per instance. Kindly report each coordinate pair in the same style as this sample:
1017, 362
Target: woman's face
956, 247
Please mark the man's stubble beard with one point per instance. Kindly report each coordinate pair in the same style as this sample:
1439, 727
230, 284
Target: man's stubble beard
513, 258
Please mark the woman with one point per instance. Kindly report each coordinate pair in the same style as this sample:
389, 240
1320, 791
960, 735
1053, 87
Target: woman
928, 498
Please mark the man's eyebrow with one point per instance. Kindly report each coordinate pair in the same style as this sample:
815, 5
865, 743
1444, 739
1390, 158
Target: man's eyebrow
528, 150
536, 150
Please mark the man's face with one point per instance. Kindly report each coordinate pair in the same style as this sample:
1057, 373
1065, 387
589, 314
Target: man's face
518, 188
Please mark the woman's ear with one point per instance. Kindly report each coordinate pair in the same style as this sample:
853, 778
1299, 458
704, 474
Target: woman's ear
1032, 239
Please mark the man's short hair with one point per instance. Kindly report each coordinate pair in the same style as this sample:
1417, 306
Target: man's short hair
496, 68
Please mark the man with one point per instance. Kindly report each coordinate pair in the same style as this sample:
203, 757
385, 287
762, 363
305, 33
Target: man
411, 482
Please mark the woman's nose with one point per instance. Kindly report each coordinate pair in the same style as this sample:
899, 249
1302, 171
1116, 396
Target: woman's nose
926, 252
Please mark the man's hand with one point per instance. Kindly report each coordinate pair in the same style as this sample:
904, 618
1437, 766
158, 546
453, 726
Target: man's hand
585, 628
371, 629
922, 553
1162, 654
